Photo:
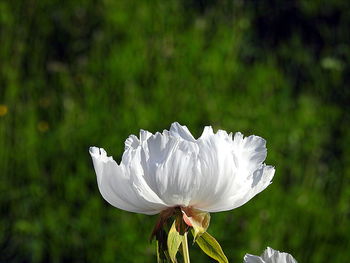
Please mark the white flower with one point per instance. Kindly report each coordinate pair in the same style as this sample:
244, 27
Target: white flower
216, 172
270, 256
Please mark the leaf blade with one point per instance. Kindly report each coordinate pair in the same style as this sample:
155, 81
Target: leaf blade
211, 247
174, 241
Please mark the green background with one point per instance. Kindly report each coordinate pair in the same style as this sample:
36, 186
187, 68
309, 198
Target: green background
79, 73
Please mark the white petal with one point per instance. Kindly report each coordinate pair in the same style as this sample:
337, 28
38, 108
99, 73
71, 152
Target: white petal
270, 256
179, 177
117, 187
240, 173
177, 130
252, 259
216, 169
132, 164
207, 132
144, 135
169, 164
250, 152
274, 256
132, 142
245, 191
268, 253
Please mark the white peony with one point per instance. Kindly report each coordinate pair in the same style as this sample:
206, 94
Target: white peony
216, 172
270, 256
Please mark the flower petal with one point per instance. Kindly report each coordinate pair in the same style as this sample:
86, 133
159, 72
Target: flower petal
177, 130
216, 168
132, 164
132, 142
170, 168
252, 259
117, 187
268, 252
274, 256
207, 133
245, 192
238, 170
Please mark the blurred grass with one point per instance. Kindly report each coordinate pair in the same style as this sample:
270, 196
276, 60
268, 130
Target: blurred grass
82, 73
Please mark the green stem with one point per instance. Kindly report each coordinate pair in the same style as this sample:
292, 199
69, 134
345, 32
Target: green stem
185, 249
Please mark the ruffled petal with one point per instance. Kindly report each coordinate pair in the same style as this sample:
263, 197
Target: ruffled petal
268, 252
169, 165
117, 187
252, 259
244, 192
216, 168
238, 170
132, 164
177, 130
207, 132
249, 152
144, 135
131, 142
274, 256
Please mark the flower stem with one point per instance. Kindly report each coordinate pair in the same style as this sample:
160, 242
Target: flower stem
185, 249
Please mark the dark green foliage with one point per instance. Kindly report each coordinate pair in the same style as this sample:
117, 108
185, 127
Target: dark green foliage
80, 73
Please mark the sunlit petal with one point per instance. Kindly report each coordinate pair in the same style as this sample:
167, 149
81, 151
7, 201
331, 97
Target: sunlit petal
253, 259
270, 256
117, 187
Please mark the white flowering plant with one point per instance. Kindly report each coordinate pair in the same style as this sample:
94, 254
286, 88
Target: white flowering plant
270, 256
184, 179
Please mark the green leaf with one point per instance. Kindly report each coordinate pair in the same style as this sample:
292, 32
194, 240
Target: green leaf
211, 247
174, 241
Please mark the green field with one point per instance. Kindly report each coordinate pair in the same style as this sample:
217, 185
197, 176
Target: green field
79, 73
